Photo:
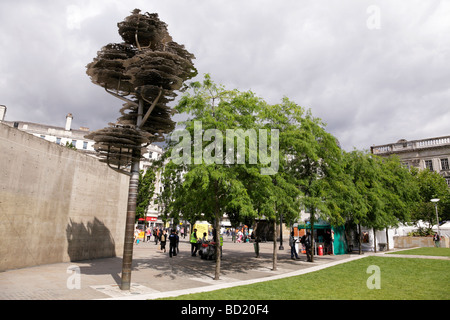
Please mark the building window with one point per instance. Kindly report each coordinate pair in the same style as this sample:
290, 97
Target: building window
448, 181
429, 164
74, 143
85, 145
58, 140
444, 164
406, 165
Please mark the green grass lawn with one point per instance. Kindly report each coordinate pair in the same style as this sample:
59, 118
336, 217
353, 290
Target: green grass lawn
441, 252
400, 278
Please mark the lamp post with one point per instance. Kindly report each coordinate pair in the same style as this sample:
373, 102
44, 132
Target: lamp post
281, 233
435, 201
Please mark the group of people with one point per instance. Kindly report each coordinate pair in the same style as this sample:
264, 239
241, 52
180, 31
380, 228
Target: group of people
242, 235
173, 238
196, 242
173, 242
305, 240
161, 236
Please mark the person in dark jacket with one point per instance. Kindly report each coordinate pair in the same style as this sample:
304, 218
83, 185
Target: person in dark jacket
292, 241
306, 241
173, 243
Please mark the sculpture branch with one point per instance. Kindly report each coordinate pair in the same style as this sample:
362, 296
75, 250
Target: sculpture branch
121, 97
149, 111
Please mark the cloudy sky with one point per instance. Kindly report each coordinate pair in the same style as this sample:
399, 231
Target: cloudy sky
374, 71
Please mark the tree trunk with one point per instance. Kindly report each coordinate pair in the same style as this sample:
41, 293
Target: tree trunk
275, 248
217, 231
387, 239
257, 241
360, 239
374, 240
312, 235
217, 236
127, 259
281, 232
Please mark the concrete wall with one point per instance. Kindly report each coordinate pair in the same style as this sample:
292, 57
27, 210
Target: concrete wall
413, 242
56, 204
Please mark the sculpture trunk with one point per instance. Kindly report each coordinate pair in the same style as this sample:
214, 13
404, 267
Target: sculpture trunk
127, 259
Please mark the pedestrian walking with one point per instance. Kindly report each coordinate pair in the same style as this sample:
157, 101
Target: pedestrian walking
306, 241
193, 241
436, 240
136, 235
163, 240
173, 243
156, 235
148, 233
221, 245
328, 242
239, 236
292, 242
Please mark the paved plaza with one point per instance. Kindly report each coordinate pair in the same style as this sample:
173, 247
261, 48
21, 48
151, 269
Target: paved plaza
155, 274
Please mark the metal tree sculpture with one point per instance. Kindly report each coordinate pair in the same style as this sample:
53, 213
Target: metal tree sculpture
144, 71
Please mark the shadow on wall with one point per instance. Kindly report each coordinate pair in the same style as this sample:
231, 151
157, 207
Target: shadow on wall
91, 241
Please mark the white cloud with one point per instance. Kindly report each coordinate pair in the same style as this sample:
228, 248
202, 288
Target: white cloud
371, 86
73, 17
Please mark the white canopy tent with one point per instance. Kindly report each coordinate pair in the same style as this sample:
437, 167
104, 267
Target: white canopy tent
444, 229
403, 230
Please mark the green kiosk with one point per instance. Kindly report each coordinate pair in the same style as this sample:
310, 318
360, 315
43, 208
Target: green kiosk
323, 231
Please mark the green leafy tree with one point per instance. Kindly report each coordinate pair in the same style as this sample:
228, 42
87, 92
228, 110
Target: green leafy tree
310, 159
171, 179
358, 169
378, 216
401, 192
70, 145
282, 200
146, 190
214, 188
381, 192
431, 186
211, 184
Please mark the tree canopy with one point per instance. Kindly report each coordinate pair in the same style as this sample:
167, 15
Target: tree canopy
431, 185
220, 162
146, 190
